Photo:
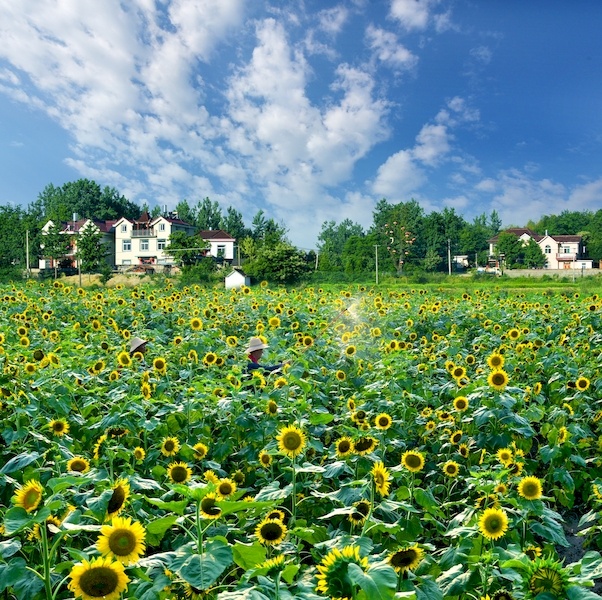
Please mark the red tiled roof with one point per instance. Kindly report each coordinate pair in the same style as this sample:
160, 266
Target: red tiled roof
216, 234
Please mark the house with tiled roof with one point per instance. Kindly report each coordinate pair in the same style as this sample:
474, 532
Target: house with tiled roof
561, 251
221, 244
73, 229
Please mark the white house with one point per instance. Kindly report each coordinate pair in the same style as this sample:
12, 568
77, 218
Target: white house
221, 243
73, 229
143, 241
561, 251
236, 279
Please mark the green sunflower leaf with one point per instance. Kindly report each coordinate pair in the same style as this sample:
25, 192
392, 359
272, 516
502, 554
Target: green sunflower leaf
576, 592
248, 556
202, 570
19, 462
378, 583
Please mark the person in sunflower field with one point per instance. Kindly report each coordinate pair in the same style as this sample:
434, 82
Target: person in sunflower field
254, 353
137, 345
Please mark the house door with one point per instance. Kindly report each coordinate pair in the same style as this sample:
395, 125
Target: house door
567, 265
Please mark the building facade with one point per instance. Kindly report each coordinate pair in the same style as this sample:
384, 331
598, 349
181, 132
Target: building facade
561, 251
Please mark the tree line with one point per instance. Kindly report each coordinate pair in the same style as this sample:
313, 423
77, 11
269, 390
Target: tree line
405, 238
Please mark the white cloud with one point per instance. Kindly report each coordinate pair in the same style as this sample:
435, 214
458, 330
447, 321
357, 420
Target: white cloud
332, 20
399, 177
412, 14
432, 144
388, 50
482, 54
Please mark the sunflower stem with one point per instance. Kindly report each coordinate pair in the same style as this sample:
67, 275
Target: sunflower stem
294, 482
199, 529
46, 560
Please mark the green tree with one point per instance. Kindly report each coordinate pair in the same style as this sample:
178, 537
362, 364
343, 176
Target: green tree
90, 251
281, 263
266, 232
331, 242
186, 249
185, 212
12, 234
359, 254
510, 247
207, 214
55, 245
474, 240
233, 224
533, 256
432, 260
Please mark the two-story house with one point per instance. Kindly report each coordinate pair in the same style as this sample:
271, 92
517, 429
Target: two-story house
143, 241
561, 251
73, 229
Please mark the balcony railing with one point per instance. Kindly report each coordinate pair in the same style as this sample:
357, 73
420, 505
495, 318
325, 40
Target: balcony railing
138, 233
570, 257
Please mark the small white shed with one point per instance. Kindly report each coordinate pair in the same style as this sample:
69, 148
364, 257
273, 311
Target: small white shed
236, 279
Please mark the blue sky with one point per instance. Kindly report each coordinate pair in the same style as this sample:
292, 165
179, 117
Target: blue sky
310, 110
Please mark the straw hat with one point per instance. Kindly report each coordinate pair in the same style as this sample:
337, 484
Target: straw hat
136, 343
256, 343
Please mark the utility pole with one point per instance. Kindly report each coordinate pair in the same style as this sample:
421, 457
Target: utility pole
449, 256
317, 256
27, 252
376, 260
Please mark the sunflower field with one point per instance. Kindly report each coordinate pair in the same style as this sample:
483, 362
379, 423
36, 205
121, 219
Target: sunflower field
416, 444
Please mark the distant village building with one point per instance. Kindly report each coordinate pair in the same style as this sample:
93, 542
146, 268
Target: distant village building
73, 229
221, 244
138, 242
561, 251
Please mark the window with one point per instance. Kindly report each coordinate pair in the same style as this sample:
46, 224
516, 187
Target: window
126, 261
143, 245
566, 249
161, 243
548, 250
124, 228
161, 226
126, 246
221, 250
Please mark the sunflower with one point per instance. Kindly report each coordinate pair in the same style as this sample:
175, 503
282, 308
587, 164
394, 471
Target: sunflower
383, 421
502, 595
413, 461
493, 523
458, 372
272, 565
265, 459
271, 532
340, 375
495, 361
170, 446
530, 488
200, 450
505, 456
160, 365
333, 578
291, 441
360, 512
78, 464
463, 450
547, 576
533, 552
29, 495
365, 445
582, 384
271, 408
121, 492
461, 403
139, 453
498, 379
30, 368
101, 440
179, 472
209, 508
225, 487
406, 559
59, 427
209, 358
344, 447
122, 540
451, 468
210, 476
196, 324
52, 522
456, 437
124, 359
101, 577
382, 478
350, 350
146, 390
